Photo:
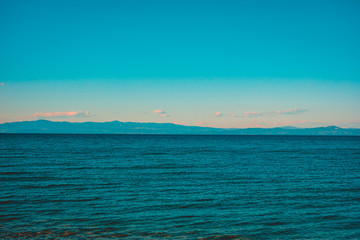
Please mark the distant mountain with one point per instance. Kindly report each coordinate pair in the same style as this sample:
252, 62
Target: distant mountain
116, 127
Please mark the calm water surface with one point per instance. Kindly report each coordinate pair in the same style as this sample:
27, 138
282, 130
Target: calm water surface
179, 187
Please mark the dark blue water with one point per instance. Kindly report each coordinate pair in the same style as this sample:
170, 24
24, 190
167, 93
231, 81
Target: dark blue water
179, 187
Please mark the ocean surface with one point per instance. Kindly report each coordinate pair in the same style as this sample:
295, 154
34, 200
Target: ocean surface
179, 187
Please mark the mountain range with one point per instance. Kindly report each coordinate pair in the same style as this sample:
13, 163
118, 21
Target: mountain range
117, 127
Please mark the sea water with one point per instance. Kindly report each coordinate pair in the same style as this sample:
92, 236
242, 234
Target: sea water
179, 187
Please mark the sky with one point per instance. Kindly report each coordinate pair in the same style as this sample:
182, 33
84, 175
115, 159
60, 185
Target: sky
227, 64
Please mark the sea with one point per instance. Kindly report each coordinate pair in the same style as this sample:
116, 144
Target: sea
71, 186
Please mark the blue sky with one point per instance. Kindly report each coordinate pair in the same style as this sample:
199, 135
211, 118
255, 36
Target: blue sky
255, 63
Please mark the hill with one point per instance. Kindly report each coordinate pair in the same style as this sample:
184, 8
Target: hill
117, 127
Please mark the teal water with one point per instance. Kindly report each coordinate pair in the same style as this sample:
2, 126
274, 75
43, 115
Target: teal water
179, 187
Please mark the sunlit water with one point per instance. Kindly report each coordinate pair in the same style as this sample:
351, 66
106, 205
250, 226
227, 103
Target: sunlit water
179, 187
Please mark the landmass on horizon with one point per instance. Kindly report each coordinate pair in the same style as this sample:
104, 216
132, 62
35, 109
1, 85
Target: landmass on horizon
117, 127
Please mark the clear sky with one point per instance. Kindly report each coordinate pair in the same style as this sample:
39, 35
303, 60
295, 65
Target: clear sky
209, 63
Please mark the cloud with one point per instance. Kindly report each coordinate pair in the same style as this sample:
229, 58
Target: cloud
291, 111
218, 114
247, 114
62, 114
161, 113
253, 114
157, 111
269, 114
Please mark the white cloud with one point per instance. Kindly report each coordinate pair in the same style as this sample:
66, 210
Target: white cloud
158, 111
269, 114
62, 114
247, 114
161, 113
291, 111
218, 114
